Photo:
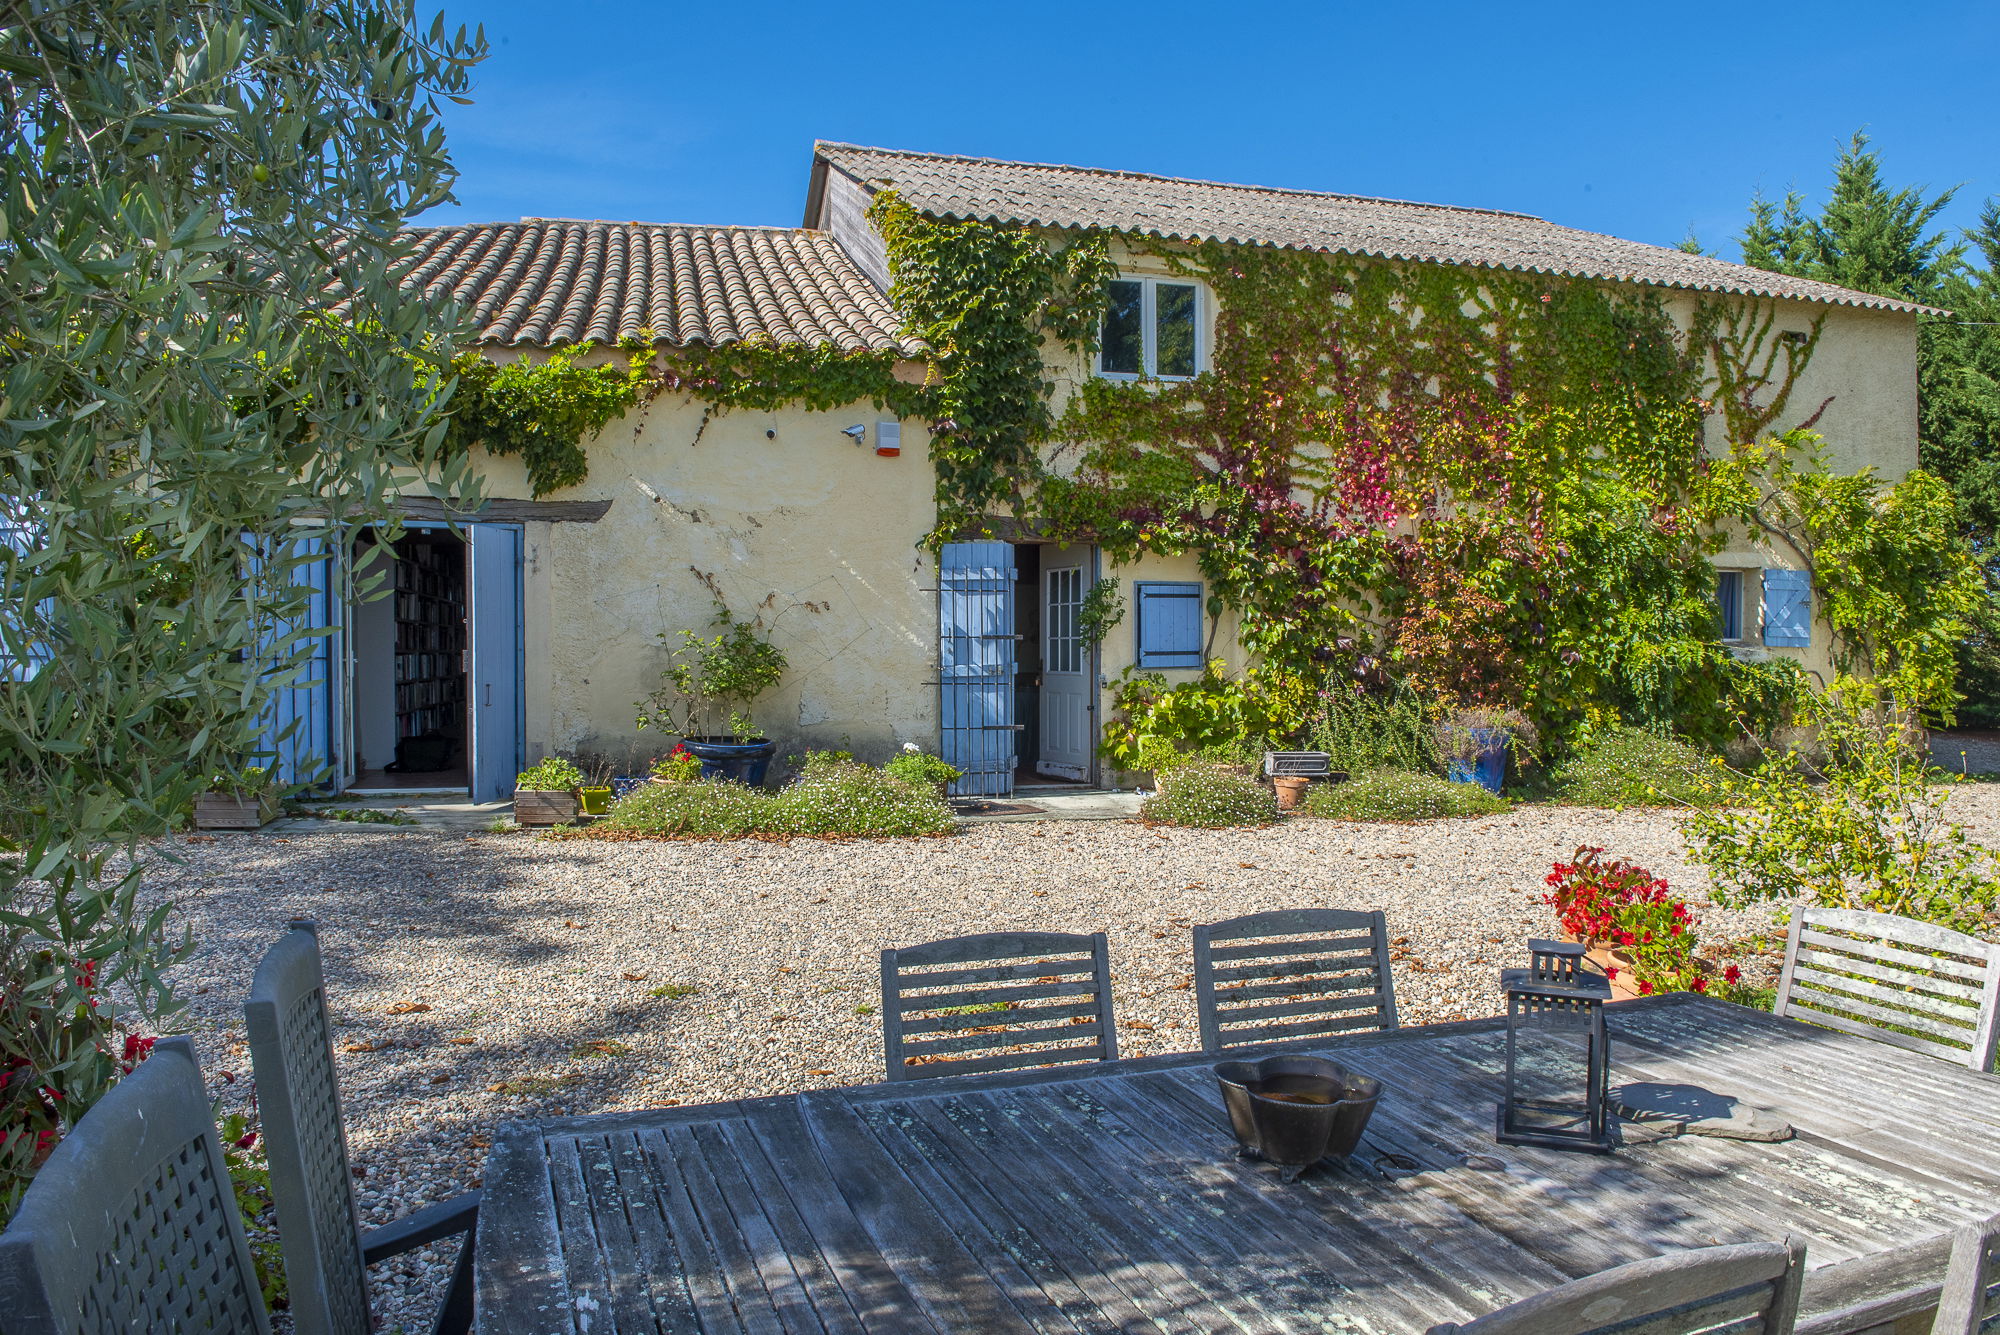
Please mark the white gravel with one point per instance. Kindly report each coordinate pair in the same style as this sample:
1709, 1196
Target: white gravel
584, 976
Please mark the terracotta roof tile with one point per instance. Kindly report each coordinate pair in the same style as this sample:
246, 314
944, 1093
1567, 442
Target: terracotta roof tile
545, 281
1177, 209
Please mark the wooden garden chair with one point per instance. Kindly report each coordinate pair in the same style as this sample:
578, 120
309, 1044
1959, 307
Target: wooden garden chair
326, 1253
1970, 1302
997, 1001
1912, 984
1748, 1289
1294, 973
132, 1224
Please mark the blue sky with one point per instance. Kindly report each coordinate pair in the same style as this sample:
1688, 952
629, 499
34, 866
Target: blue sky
1638, 120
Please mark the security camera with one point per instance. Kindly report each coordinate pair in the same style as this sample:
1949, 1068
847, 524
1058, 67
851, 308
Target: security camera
855, 433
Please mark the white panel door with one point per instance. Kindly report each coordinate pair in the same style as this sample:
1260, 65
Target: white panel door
1066, 666
493, 610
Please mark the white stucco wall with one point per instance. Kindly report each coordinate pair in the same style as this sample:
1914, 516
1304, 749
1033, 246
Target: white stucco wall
795, 524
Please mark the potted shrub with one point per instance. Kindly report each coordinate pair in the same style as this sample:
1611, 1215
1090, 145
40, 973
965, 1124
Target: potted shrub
710, 683
244, 804
547, 794
919, 769
1475, 743
595, 794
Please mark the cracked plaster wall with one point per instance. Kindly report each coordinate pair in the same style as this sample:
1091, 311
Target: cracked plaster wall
801, 527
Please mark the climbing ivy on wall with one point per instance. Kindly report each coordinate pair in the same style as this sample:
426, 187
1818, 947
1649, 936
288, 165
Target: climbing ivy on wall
544, 410
1489, 486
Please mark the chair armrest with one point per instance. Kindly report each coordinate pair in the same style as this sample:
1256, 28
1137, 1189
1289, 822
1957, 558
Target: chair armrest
442, 1220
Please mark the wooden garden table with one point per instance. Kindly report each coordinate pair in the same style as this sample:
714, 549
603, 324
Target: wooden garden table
1108, 1198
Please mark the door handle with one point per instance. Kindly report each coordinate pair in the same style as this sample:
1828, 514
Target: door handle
487, 688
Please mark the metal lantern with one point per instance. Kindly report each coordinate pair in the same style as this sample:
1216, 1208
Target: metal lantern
1558, 1054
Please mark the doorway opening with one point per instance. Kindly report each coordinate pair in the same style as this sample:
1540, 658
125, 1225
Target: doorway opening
1055, 692
409, 666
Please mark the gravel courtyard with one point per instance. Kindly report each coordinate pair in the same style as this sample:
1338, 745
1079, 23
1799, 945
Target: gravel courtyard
478, 978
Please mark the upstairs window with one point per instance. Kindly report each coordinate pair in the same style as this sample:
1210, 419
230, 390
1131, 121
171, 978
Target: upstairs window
1729, 604
1152, 328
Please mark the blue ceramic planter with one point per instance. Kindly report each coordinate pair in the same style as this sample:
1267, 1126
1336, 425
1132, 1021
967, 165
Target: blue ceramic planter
739, 760
1489, 766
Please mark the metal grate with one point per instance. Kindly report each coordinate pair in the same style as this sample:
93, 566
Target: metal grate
976, 643
1312, 764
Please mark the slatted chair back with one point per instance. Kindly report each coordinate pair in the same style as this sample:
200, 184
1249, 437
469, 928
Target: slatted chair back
1912, 984
1747, 1289
291, 1045
132, 1223
1295, 973
1970, 1303
996, 1001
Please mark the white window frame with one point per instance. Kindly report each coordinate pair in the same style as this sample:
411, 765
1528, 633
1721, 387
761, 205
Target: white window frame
1149, 358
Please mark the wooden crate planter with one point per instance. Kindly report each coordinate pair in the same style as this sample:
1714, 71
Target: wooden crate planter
543, 808
228, 811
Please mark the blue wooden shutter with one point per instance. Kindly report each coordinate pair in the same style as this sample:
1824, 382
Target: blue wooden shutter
976, 665
1787, 608
494, 615
1169, 625
297, 732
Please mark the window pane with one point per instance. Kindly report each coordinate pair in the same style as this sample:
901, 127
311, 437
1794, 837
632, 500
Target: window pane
1729, 603
1124, 331
1173, 327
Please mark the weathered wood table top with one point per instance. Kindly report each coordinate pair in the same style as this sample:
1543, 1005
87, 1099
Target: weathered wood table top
1108, 1197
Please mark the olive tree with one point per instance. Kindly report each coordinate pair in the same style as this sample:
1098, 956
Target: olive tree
208, 375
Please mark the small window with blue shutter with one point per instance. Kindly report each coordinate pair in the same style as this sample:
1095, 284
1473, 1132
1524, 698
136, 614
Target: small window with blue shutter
1787, 608
1169, 625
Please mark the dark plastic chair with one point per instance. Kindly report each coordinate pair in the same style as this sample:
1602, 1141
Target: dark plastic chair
132, 1225
1748, 1289
1970, 1302
1293, 973
1022, 998
326, 1254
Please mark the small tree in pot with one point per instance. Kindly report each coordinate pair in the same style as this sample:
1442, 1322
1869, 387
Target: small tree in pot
709, 684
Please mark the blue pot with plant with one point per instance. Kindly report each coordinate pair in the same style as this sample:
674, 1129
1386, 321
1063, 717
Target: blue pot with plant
712, 678
1475, 744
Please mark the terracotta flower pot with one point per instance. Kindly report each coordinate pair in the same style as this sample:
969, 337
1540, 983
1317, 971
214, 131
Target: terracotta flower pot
1615, 964
1291, 790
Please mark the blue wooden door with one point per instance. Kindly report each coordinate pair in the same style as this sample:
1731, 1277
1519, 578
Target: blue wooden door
976, 665
298, 731
493, 610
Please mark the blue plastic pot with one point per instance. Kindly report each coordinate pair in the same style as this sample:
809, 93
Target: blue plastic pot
737, 759
1489, 766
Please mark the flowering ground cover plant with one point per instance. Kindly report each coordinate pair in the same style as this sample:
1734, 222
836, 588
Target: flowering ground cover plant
1210, 795
1621, 905
1395, 794
832, 798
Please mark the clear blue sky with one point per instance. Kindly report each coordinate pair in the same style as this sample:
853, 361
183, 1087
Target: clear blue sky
1638, 120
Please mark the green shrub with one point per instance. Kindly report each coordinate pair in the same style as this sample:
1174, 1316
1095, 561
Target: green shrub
705, 807
1863, 828
853, 799
553, 775
1361, 732
1631, 768
921, 770
1392, 794
1206, 794
832, 797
